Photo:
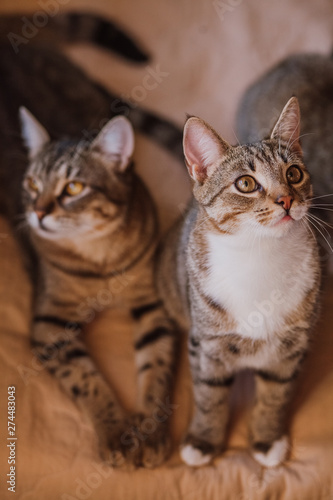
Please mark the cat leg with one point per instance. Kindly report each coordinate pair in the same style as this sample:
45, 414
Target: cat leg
58, 348
269, 442
211, 384
155, 340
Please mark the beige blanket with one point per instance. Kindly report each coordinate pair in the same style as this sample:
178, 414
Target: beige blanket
209, 51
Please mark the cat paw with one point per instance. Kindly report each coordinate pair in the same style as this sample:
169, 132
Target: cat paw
193, 456
111, 448
195, 452
152, 444
272, 454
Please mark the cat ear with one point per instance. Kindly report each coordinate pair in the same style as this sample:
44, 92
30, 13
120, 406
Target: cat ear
33, 133
203, 149
116, 140
287, 127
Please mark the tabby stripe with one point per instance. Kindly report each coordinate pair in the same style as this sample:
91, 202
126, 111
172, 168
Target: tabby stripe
145, 367
298, 354
50, 345
76, 353
272, 377
261, 446
138, 312
215, 382
153, 336
210, 302
251, 165
47, 352
56, 321
210, 201
194, 342
264, 158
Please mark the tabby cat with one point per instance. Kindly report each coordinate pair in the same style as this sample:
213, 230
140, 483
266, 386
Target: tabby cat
92, 224
90, 220
241, 273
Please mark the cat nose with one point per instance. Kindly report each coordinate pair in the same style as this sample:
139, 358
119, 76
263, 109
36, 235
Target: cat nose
285, 201
40, 214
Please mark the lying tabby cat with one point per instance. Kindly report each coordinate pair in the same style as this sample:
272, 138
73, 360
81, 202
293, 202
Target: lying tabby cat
91, 220
92, 224
241, 272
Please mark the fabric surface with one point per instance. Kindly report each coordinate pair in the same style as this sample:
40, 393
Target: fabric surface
209, 52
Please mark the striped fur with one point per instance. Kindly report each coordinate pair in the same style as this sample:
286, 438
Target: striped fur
95, 251
243, 279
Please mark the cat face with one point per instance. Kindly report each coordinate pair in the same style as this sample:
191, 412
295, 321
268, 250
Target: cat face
262, 188
75, 188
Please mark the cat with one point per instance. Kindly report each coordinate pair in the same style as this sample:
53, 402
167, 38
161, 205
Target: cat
241, 272
93, 226
91, 223
42, 79
309, 77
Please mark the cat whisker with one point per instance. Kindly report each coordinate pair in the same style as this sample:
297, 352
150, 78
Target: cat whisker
317, 197
21, 225
322, 208
302, 135
233, 131
307, 225
320, 221
318, 229
323, 205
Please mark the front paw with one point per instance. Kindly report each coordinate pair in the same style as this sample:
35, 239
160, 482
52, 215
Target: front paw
271, 454
111, 447
197, 452
148, 441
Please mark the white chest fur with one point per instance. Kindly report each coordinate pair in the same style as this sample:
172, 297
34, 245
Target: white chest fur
259, 282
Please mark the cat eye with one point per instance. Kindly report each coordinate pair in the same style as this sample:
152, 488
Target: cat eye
246, 184
294, 174
33, 184
73, 188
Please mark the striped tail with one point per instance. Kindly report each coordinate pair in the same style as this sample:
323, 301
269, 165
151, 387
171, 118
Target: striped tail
45, 26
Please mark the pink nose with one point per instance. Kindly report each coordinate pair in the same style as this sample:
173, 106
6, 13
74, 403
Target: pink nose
40, 214
285, 201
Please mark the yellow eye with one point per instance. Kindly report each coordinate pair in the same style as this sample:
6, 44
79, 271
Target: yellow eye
33, 184
73, 188
246, 184
294, 174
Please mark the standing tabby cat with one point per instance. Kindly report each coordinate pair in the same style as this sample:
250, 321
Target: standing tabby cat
92, 224
241, 272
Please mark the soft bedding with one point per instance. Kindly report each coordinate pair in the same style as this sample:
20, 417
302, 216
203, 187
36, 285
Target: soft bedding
207, 52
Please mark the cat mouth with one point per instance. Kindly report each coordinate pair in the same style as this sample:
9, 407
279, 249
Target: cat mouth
284, 219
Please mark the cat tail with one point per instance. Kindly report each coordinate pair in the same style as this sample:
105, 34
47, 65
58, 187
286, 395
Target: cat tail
157, 128
45, 26
154, 126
